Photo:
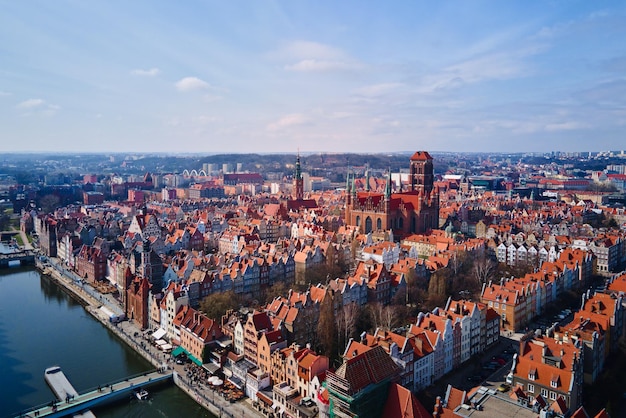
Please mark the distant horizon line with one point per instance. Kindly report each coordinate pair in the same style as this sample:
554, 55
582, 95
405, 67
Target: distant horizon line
168, 153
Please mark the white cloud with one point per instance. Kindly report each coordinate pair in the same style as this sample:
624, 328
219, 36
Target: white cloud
341, 115
375, 90
146, 73
203, 119
565, 126
30, 104
307, 56
4, 93
315, 65
307, 49
51, 110
287, 121
191, 83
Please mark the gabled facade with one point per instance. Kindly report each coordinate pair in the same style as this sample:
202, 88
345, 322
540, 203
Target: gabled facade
550, 369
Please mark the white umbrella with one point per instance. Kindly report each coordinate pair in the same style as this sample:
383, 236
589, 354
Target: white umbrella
218, 382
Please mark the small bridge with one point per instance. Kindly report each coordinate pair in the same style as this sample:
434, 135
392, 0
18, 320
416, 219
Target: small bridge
24, 257
74, 405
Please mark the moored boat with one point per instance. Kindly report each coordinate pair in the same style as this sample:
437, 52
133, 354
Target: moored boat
142, 394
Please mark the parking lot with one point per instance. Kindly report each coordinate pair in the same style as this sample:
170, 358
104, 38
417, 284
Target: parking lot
489, 369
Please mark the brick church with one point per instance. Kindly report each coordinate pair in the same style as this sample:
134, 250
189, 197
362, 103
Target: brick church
415, 211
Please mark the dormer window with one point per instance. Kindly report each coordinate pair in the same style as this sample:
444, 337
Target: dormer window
554, 382
532, 374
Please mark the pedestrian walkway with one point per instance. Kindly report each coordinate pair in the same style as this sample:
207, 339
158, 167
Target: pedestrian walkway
132, 335
75, 403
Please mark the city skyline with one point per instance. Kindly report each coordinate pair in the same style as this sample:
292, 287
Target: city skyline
204, 77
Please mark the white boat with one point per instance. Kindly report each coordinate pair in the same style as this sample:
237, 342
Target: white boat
142, 394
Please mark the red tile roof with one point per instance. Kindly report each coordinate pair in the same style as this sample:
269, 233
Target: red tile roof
421, 156
401, 403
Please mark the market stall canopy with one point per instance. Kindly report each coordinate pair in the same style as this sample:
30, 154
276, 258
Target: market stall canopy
158, 334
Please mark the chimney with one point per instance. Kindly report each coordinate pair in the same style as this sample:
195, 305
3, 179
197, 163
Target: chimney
437, 408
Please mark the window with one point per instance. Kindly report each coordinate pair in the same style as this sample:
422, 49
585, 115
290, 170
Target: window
544, 393
531, 388
554, 383
552, 396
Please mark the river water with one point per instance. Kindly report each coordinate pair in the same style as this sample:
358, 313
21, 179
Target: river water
42, 326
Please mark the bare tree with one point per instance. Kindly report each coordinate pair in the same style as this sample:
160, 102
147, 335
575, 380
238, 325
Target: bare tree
389, 317
457, 260
484, 269
383, 317
326, 328
346, 322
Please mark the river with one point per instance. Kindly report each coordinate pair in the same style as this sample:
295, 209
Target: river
41, 326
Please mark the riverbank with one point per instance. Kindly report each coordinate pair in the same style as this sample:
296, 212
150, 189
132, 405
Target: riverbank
133, 337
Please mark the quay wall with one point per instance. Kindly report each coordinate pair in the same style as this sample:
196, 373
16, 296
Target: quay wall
218, 407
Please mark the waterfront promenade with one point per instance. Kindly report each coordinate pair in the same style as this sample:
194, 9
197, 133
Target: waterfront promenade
133, 336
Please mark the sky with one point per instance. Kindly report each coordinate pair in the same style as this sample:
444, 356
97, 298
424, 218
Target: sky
312, 76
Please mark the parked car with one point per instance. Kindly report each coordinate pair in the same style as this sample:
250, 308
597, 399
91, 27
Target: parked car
503, 388
499, 360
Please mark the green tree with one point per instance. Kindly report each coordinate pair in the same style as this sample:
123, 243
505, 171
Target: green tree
49, 203
321, 273
277, 289
215, 305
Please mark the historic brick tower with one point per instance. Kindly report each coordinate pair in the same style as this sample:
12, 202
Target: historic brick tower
422, 177
415, 211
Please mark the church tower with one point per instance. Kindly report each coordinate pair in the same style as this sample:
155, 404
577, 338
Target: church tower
421, 169
146, 266
415, 211
298, 183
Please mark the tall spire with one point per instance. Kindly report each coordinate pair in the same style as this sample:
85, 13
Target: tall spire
298, 174
367, 179
298, 183
388, 187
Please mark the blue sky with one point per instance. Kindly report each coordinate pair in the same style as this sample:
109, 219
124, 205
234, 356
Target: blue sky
331, 76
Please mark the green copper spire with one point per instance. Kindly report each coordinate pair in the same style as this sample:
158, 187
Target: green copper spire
348, 182
298, 174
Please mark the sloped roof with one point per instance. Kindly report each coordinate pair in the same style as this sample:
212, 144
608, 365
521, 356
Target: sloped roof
370, 367
402, 403
421, 156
